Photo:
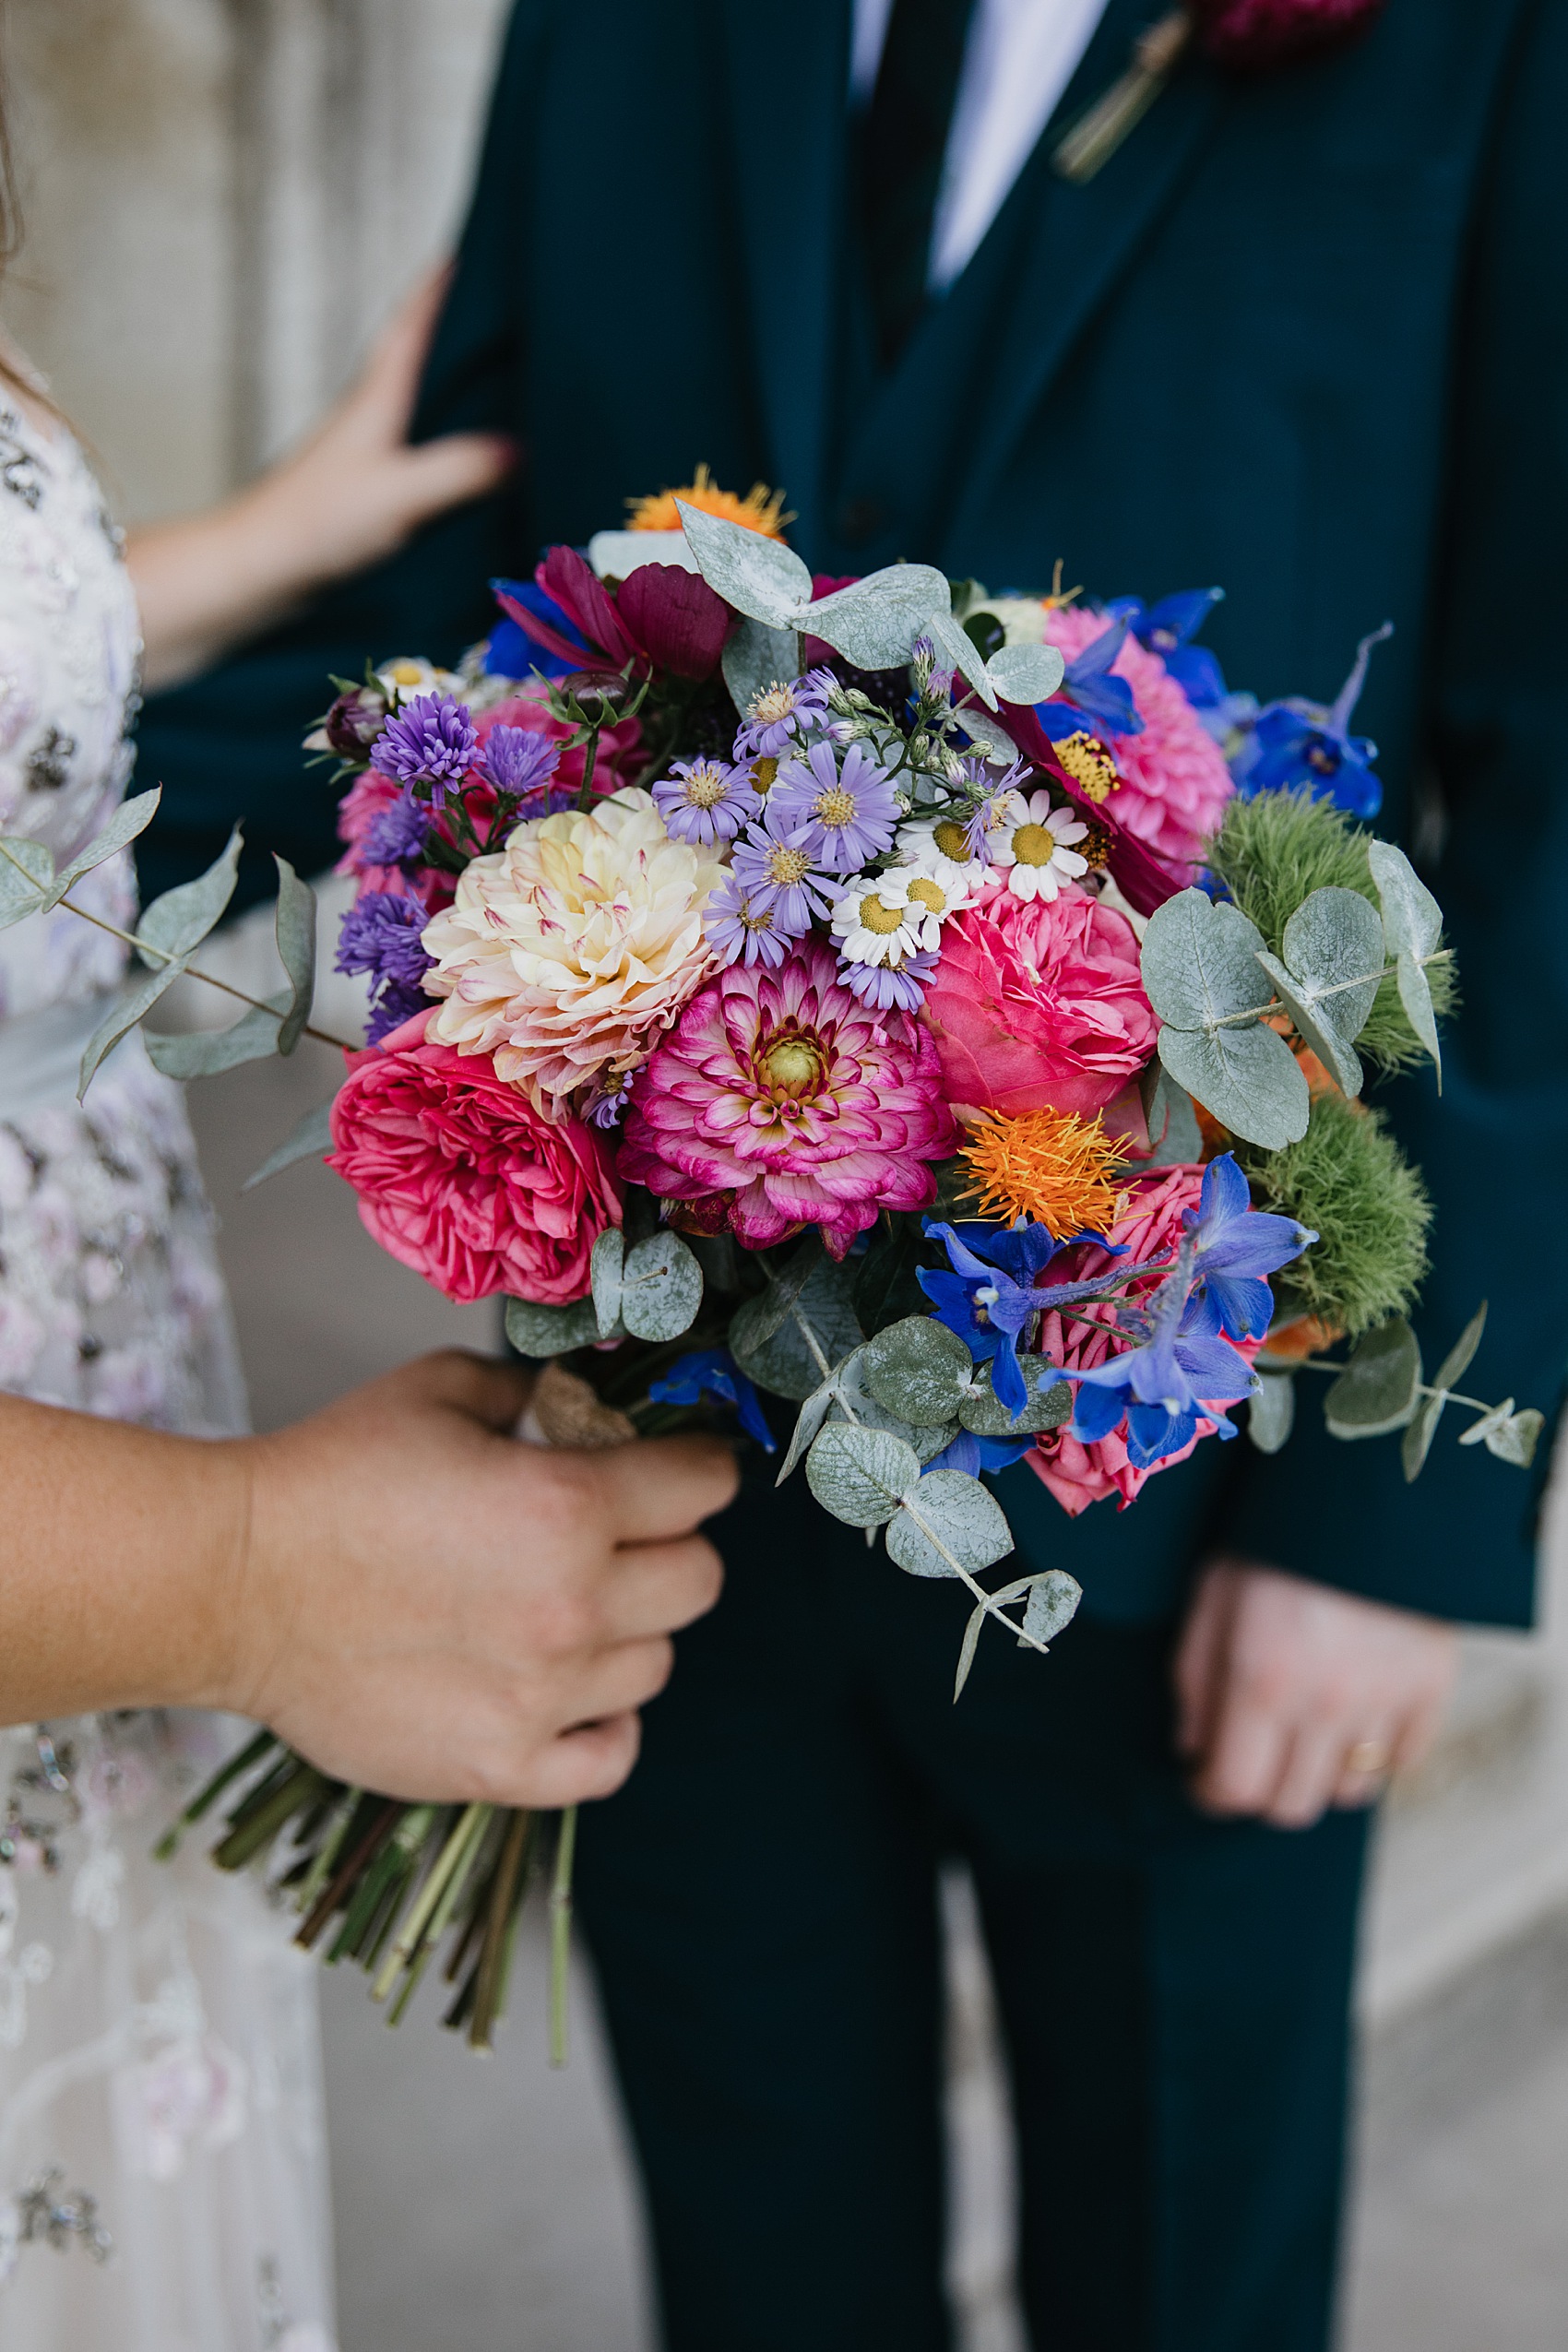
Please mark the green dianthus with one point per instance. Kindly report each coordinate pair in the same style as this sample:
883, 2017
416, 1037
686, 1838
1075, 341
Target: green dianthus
1350, 1181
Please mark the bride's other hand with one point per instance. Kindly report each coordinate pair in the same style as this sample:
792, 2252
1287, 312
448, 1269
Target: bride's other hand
416, 1601
352, 493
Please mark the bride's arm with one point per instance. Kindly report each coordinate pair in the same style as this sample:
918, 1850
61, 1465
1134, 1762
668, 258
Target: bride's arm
352, 494
417, 1602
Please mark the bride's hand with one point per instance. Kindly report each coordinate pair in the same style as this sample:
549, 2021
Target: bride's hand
352, 493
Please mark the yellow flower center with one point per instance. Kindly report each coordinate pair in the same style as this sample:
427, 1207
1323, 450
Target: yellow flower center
755, 921
764, 770
1089, 764
835, 808
774, 702
705, 787
793, 1066
787, 867
1034, 844
406, 674
876, 916
929, 893
950, 839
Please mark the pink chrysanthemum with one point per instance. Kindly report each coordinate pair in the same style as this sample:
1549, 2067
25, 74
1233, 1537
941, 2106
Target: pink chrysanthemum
1174, 782
779, 1102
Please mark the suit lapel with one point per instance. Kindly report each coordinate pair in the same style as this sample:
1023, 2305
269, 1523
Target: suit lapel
787, 68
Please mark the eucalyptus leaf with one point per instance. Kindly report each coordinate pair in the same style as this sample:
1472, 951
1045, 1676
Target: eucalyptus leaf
131, 819
551, 1331
1027, 673
1480, 1431
957, 650
1328, 974
756, 657
177, 924
1416, 1444
1048, 1404
1248, 1077
990, 737
1338, 1057
26, 872
606, 1267
853, 1401
1457, 1364
296, 947
949, 1512
860, 1475
785, 1363
759, 1318
1412, 920
1415, 995
1172, 1123
808, 1420
206, 1053
121, 1018
1200, 962
968, 1646
760, 577
1053, 1604
919, 1369
885, 1288
1515, 1439
1377, 1391
1271, 1411
310, 1139
662, 1287
875, 620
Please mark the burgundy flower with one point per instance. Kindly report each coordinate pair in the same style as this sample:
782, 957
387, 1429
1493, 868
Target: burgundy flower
674, 618
1254, 35
1142, 880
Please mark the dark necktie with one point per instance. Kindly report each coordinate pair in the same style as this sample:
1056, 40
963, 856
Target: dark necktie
902, 147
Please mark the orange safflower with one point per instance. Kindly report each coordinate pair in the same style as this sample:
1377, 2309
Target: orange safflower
1051, 1165
760, 510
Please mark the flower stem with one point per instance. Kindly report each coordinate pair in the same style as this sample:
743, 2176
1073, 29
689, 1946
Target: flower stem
560, 1933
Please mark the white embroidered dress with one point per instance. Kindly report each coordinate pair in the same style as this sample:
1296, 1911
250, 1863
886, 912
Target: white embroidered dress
162, 2168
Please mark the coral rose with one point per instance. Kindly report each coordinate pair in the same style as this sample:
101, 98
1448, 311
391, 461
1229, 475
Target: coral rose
1039, 1004
564, 955
1149, 1228
462, 1178
781, 1101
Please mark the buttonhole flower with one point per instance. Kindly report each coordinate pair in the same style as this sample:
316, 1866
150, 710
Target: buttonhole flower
715, 1370
429, 744
775, 866
781, 716
1034, 845
705, 800
850, 814
741, 926
1236, 1245
1296, 743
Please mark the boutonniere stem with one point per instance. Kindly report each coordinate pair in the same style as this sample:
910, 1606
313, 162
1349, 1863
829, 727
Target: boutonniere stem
1096, 136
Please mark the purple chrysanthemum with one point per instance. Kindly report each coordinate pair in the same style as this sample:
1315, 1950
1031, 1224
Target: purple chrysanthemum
518, 761
849, 814
891, 988
774, 865
397, 836
395, 1003
431, 742
705, 801
380, 934
742, 928
781, 716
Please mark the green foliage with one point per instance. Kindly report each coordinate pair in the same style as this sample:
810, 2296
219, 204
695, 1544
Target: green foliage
1350, 1181
1272, 852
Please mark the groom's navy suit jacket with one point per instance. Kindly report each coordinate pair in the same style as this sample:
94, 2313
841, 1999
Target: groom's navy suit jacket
1302, 336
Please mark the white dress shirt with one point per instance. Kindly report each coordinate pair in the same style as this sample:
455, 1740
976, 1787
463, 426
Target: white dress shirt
1019, 59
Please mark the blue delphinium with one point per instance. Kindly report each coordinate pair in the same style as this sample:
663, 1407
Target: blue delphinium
715, 1369
975, 1454
380, 935
989, 1298
1236, 1245
1295, 742
1089, 692
1181, 1373
430, 743
512, 653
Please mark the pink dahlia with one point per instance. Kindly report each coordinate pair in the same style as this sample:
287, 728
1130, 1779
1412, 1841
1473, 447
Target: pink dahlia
462, 1178
1039, 1004
1149, 1229
779, 1101
1174, 783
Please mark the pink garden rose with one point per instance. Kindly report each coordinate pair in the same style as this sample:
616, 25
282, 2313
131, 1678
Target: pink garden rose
779, 1101
1039, 1004
1149, 1228
462, 1178
1174, 781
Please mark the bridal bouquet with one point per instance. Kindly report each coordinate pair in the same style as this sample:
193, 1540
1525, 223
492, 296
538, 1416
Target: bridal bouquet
944, 1015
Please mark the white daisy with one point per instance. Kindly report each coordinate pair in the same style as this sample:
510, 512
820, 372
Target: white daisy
939, 845
875, 920
1034, 848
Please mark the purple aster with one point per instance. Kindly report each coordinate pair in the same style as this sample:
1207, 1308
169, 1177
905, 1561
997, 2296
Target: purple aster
397, 836
775, 866
889, 987
742, 928
988, 812
779, 718
432, 741
380, 934
518, 761
395, 1003
607, 1106
704, 801
849, 814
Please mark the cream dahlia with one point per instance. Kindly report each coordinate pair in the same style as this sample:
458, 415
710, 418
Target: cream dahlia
566, 953
779, 1102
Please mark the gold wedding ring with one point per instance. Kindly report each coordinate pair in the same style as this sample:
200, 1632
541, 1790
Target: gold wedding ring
1368, 1757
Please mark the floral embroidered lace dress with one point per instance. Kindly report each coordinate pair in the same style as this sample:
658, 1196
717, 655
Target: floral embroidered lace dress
163, 2175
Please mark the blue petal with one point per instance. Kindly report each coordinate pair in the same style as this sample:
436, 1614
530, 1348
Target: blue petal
1225, 1196
1153, 1435
1007, 1380
1175, 619
1097, 655
1097, 1413
1199, 675
1245, 1306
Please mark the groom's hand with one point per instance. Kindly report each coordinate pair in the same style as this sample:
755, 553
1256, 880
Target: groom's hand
1292, 1697
424, 1607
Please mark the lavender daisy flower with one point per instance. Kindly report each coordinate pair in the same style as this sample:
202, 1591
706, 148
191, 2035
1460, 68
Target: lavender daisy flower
849, 814
703, 801
432, 741
781, 716
774, 865
607, 1108
381, 934
742, 928
891, 988
397, 836
518, 761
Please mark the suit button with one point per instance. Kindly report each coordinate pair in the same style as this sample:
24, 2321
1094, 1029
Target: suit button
858, 520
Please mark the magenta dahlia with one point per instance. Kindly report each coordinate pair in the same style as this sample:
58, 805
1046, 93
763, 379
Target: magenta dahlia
778, 1100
